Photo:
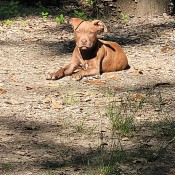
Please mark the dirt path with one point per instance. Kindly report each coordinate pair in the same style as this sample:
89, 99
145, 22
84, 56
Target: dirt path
57, 127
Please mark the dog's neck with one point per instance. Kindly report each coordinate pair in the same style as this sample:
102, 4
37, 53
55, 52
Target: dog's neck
90, 53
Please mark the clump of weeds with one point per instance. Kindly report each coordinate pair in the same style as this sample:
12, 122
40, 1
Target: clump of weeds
44, 15
60, 19
79, 14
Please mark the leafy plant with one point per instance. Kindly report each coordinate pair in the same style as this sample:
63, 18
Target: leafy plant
8, 22
44, 15
91, 2
123, 17
79, 14
60, 19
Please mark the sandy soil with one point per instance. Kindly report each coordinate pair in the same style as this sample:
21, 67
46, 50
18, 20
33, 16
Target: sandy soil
57, 127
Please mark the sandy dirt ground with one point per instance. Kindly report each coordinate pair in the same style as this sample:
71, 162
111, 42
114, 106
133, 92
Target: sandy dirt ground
57, 127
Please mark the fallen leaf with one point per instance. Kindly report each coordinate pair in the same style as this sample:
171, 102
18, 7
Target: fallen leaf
109, 75
125, 139
166, 48
29, 88
136, 73
30, 39
33, 87
14, 79
112, 76
55, 104
116, 77
2, 91
155, 67
94, 82
138, 97
100, 102
53, 85
8, 102
80, 94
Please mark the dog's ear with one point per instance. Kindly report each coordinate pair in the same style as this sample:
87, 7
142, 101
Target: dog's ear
100, 25
75, 22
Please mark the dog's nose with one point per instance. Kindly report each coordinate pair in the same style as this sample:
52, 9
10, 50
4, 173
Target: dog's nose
83, 41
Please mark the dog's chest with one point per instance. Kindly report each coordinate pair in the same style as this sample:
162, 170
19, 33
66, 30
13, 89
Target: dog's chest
87, 64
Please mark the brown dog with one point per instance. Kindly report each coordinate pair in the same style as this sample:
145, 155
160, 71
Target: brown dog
91, 56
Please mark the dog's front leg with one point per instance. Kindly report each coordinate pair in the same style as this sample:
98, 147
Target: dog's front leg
62, 72
90, 68
84, 73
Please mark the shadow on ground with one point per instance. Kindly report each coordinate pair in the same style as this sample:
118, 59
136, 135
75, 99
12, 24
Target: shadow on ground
25, 144
137, 35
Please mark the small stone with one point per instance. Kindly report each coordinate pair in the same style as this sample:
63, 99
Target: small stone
125, 139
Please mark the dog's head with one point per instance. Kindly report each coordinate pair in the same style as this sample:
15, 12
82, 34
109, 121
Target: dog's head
85, 32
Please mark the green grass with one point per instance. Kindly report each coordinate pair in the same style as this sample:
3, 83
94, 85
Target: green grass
120, 120
109, 162
80, 127
122, 113
122, 116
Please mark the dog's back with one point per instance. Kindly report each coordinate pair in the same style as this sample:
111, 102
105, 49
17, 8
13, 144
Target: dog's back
114, 57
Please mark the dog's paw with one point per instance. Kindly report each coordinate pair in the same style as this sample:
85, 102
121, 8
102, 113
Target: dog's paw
55, 76
76, 76
51, 76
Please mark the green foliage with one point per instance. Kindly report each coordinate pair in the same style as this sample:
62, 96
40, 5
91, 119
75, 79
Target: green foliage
8, 22
121, 114
60, 19
44, 15
79, 14
123, 17
9, 9
81, 126
91, 2
110, 169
